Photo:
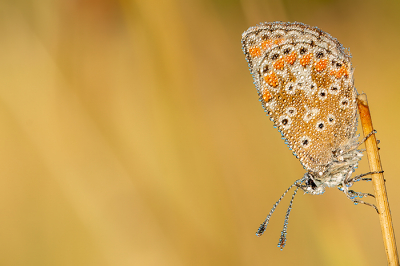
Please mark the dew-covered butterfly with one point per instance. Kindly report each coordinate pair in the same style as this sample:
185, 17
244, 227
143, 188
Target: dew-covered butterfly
304, 80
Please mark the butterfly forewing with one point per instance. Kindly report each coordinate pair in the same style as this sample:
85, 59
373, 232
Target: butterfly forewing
304, 80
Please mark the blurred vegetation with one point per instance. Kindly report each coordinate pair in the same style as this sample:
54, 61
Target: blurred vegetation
131, 134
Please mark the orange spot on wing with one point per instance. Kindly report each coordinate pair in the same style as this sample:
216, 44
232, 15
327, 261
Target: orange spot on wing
342, 71
266, 44
291, 58
321, 65
278, 41
305, 60
272, 79
254, 51
266, 95
279, 64
339, 74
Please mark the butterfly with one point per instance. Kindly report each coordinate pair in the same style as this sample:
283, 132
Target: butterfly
304, 80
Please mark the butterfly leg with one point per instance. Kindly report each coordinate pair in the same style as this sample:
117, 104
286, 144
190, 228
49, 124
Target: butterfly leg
355, 145
359, 177
352, 196
366, 137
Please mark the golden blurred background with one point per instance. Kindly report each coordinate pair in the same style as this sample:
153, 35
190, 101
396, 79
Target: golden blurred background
131, 134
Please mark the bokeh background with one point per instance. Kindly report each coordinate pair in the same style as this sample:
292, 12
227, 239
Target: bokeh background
131, 134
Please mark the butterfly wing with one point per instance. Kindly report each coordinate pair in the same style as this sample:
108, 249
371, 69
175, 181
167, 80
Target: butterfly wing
304, 79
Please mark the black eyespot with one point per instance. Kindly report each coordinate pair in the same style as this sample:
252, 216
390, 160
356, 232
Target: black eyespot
312, 86
264, 37
305, 142
334, 88
312, 43
320, 55
303, 50
275, 56
338, 65
290, 87
322, 94
345, 102
265, 69
284, 122
330, 119
291, 111
321, 125
286, 51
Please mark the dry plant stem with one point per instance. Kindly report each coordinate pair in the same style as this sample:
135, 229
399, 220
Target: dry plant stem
378, 182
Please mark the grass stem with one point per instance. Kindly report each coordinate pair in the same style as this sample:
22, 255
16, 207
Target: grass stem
378, 182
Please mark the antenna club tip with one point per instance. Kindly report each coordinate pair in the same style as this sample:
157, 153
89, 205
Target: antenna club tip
261, 230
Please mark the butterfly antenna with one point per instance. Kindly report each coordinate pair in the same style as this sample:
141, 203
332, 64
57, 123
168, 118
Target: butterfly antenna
282, 240
263, 226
